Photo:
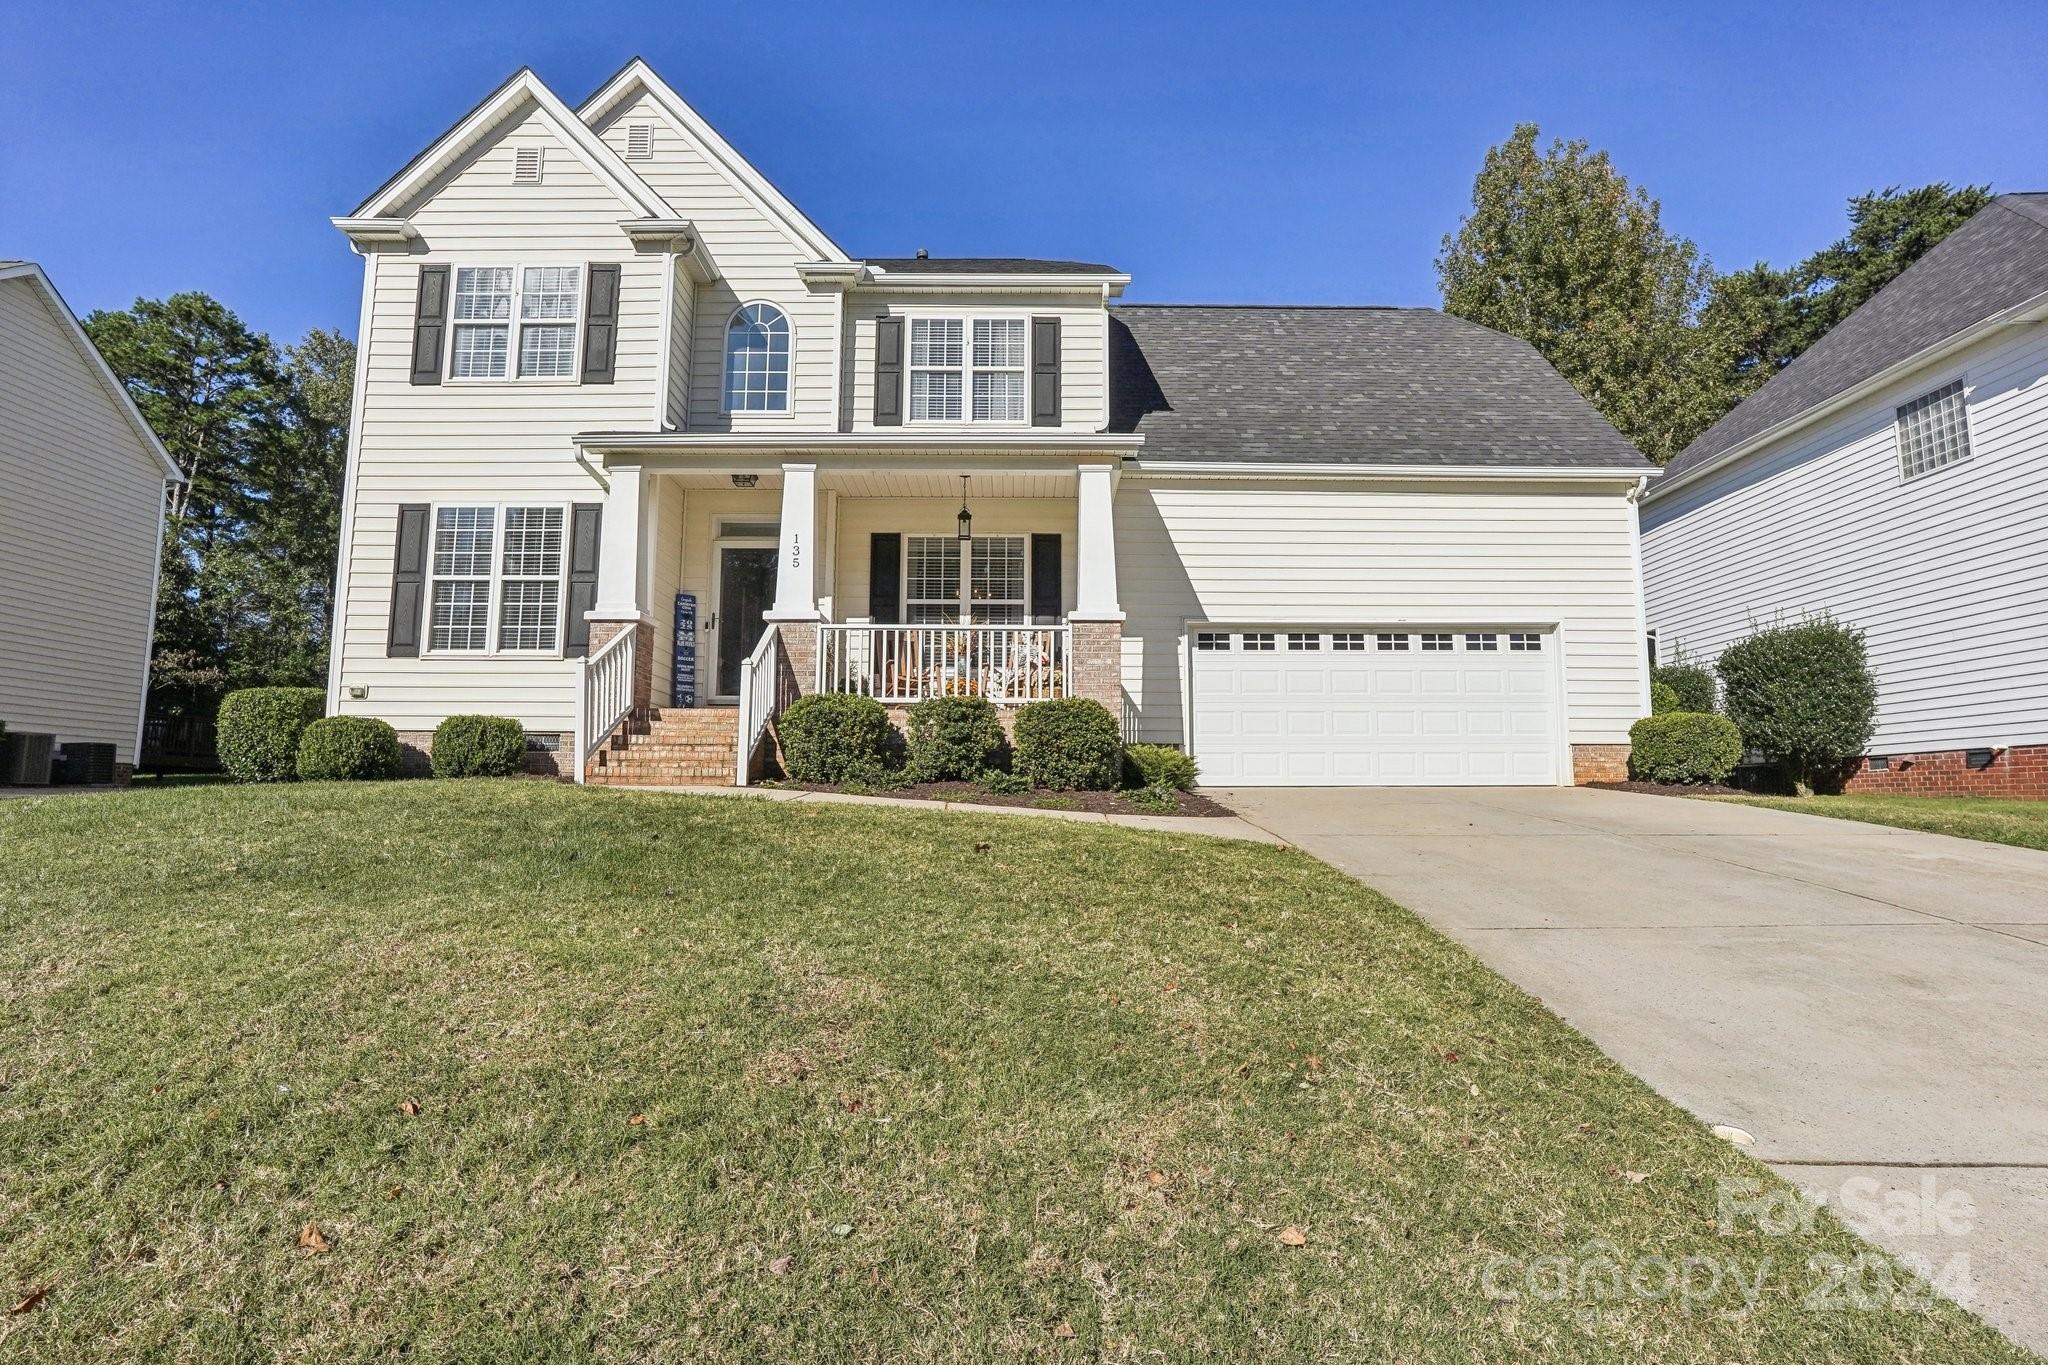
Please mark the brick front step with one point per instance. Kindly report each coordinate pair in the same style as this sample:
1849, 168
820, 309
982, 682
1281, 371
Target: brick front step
697, 746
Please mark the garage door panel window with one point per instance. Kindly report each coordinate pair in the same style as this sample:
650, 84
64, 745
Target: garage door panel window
1393, 642
1524, 641
1348, 640
1211, 640
1257, 641
1436, 643
1482, 643
1297, 641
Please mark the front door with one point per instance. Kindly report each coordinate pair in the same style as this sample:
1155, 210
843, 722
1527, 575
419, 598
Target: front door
746, 589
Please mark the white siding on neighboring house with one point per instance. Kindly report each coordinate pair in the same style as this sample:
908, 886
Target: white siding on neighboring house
1947, 574
1084, 331
497, 441
756, 261
1344, 552
80, 501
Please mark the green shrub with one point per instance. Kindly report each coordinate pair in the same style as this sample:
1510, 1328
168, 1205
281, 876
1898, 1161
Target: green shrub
829, 736
1804, 695
1005, 784
953, 739
479, 746
1683, 746
1069, 744
1155, 800
1693, 684
347, 749
1158, 765
257, 731
1663, 698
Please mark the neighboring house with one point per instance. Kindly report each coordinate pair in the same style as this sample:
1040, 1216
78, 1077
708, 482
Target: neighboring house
1896, 476
81, 520
633, 434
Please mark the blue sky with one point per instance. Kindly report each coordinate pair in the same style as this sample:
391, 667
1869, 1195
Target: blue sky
1229, 152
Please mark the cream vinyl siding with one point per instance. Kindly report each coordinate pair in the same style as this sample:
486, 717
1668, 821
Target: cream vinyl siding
80, 497
1947, 575
1330, 553
1084, 388
756, 260
484, 441
681, 334
861, 518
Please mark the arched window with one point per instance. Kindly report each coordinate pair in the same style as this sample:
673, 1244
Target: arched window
757, 360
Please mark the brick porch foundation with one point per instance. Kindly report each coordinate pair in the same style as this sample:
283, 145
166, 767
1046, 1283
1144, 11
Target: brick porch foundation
1599, 763
416, 754
2020, 772
1099, 663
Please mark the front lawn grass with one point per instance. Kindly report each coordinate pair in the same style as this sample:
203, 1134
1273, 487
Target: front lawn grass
2023, 824
516, 1071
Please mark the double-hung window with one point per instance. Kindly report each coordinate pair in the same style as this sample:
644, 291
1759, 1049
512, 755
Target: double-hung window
545, 319
968, 369
496, 580
997, 584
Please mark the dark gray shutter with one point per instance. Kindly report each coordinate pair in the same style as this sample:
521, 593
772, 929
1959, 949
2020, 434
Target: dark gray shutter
586, 520
408, 581
1045, 580
885, 577
1045, 372
601, 325
429, 324
888, 372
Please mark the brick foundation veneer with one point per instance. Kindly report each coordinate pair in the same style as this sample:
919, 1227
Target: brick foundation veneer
1099, 663
416, 755
2020, 772
800, 654
1599, 763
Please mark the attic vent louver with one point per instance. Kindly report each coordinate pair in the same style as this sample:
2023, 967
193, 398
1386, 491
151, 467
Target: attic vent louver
526, 166
639, 141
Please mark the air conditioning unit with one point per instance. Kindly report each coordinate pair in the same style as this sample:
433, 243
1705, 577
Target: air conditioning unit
25, 761
86, 765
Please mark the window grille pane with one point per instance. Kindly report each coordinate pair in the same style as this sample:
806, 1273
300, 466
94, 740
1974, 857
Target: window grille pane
461, 614
547, 352
1436, 642
1299, 641
998, 577
1258, 640
548, 293
1209, 639
932, 572
1393, 642
934, 614
462, 542
479, 353
1933, 431
528, 612
935, 343
934, 396
483, 293
999, 343
1480, 642
533, 542
999, 396
757, 360
1525, 641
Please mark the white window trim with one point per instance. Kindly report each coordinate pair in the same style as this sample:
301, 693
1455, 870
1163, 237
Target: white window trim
725, 408
1960, 381
513, 326
490, 649
964, 605
967, 317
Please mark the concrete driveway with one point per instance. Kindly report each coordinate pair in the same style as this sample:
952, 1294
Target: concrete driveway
1871, 1004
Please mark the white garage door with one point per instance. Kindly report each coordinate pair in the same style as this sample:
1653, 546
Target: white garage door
1358, 706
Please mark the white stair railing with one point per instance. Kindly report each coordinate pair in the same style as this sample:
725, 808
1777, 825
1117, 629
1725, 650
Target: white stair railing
901, 665
604, 695
762, 698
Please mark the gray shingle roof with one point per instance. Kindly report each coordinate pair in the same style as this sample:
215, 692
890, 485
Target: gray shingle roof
1382, 386
1996, 261
986, 265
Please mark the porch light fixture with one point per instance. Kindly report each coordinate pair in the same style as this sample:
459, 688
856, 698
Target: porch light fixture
966, 518
745, 480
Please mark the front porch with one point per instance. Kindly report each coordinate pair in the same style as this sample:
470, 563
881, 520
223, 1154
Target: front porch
750, 583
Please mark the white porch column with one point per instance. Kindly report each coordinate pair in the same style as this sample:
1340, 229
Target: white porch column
621, 564
1095, 595
796, 568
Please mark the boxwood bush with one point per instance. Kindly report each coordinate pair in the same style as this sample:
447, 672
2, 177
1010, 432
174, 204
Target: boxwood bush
831, 736
1693, 684
953, 738
1664, 697
1158, 765
256, 734
1683, 746
1804, 695
1072, 744
348, 749
479, 746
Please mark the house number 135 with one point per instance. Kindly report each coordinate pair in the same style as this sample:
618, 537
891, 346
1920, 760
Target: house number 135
796, 549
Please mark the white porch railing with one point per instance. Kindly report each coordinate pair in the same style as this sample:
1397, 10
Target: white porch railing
900, 665
604, 694
764, 692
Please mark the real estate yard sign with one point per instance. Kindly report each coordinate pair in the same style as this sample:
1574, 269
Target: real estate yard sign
685, 673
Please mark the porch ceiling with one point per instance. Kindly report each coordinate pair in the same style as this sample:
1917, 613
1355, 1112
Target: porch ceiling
893, 484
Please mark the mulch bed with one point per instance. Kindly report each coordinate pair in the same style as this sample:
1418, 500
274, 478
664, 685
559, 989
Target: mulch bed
1673, 788
966, 793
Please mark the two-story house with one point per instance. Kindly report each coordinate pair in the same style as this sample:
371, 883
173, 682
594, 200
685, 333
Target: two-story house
640, 452
1895, 476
